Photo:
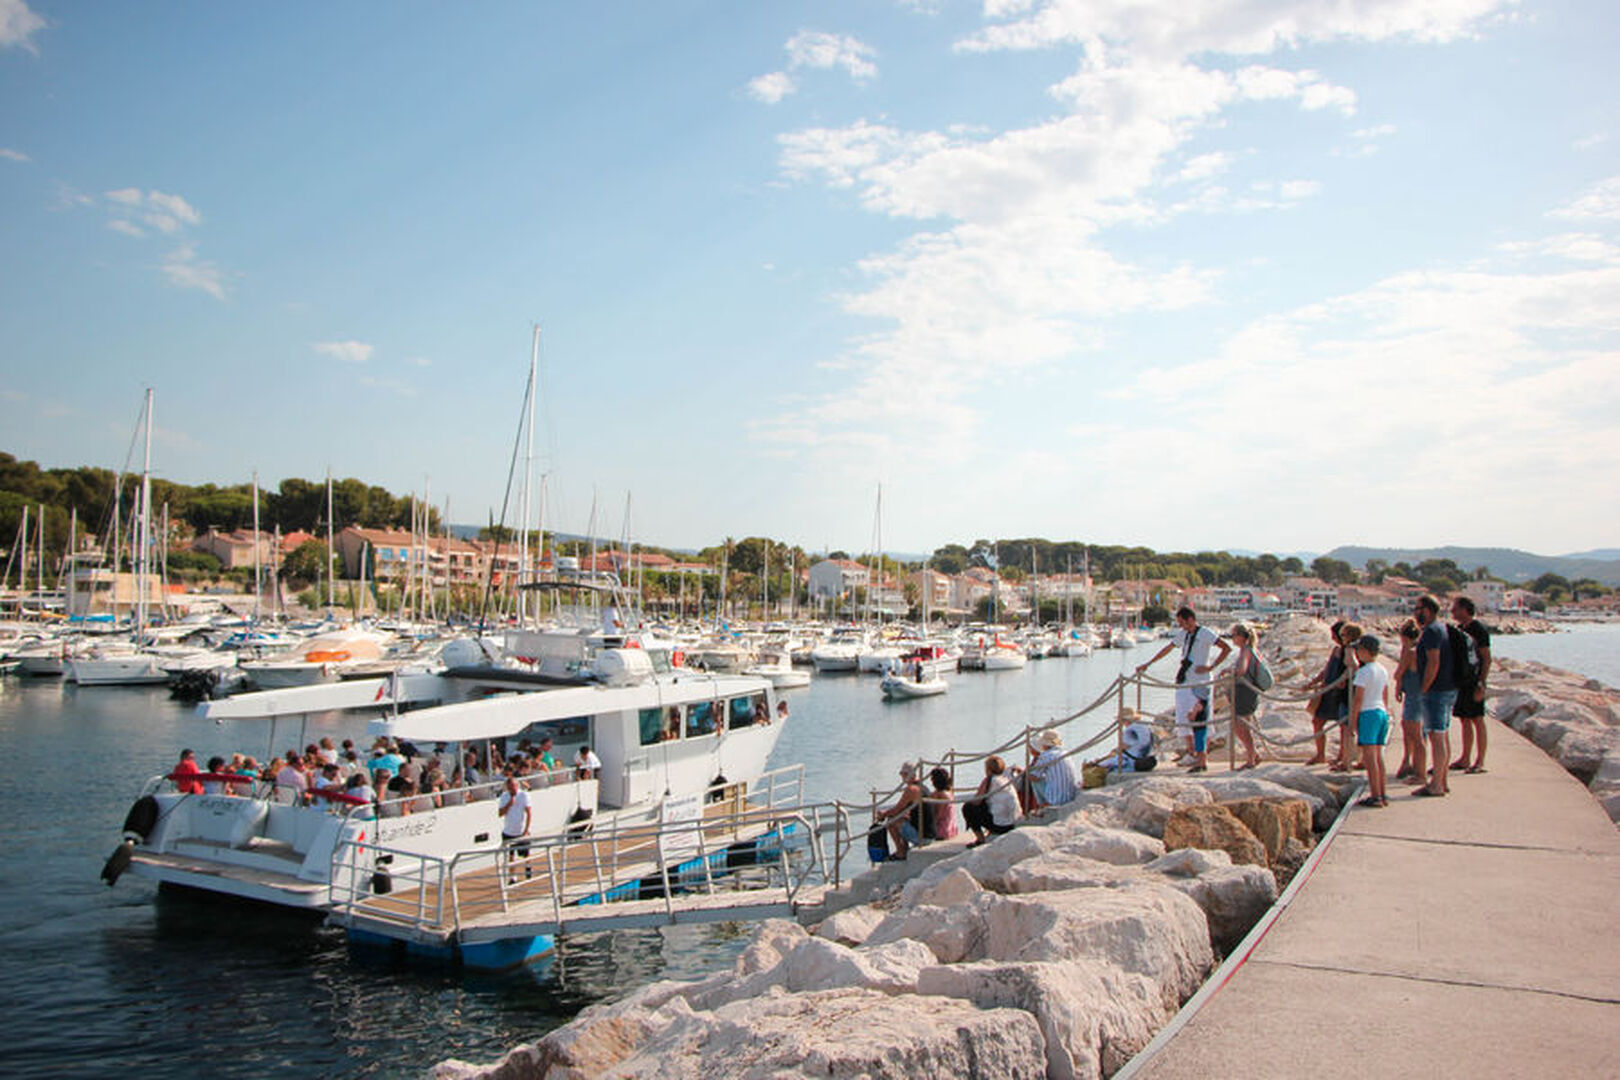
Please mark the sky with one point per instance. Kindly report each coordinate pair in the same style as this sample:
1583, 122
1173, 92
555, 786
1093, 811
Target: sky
1229, 274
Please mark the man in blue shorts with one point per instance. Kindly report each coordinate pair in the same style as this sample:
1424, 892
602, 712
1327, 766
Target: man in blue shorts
1439, 691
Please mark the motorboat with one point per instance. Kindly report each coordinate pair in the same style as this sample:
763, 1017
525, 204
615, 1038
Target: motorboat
662, 734
776, 667
898, 687
841, 652
318, 660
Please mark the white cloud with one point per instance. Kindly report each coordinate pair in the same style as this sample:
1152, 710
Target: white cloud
1494, 366
1171, 28
128, 228
182, 267
157, 210
14, 155
351, 352
1601, 200
1577, 247
1596, 139
1204, 166
18, 25
772, 87
816, 50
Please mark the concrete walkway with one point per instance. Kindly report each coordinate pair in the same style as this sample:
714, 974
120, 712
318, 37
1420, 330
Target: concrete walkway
1474, 935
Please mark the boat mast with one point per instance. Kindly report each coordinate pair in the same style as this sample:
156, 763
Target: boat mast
528, 478
330, 583
258, 580
143, 559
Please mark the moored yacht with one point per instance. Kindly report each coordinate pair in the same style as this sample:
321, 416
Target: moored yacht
661, 734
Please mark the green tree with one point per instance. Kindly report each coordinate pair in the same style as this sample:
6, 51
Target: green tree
308, 563
1333, 571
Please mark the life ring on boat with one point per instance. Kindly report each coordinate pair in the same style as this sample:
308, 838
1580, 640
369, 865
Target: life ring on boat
677, 658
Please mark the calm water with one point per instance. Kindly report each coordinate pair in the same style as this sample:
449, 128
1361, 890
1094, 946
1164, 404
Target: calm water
95, 979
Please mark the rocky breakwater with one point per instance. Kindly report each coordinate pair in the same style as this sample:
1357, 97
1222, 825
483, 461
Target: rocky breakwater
1057, 950
1574, 719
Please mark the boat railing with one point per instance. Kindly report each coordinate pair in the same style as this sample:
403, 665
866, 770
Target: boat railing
619, 858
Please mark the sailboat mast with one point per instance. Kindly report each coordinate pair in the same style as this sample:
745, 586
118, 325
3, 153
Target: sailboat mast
330, 575
258, 580
525, 508
143, 561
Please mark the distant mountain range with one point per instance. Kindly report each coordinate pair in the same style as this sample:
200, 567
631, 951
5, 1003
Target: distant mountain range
1509, 564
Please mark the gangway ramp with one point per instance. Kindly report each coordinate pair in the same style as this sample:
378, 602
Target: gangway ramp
623, 876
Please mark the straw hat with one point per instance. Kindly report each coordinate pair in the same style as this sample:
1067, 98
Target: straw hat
1050, 738
1129, 716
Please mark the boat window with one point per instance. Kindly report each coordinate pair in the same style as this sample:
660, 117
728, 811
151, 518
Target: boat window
575, 729
699, 719
745, 710
660, 726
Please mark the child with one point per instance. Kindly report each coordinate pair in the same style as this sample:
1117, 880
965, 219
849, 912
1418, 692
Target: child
1369, 706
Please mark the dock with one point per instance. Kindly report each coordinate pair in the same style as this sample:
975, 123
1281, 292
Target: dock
1470, 935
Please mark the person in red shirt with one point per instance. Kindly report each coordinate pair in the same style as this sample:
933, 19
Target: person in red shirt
183, 771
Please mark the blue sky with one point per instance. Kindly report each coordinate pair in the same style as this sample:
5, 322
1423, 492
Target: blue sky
1230, 274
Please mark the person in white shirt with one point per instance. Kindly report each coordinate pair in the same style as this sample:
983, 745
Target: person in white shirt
586, 764
1369, 707
513, 808
1192, 681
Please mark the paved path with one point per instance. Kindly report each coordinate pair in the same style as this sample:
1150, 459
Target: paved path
1476, 935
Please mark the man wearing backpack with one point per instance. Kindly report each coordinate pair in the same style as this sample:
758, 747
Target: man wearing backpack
1439, 691
1471, 662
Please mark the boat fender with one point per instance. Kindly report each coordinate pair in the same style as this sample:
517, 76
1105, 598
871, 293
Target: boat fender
142, 817
117, 862
381, 883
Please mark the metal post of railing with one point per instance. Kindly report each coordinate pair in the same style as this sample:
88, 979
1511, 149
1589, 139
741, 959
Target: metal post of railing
1119, 729
1231, 728
501, 872
663, 873
555, 881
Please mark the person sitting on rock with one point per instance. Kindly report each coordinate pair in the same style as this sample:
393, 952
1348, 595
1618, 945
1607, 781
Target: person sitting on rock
905, 815
1051, 776
994, 808
1136, 754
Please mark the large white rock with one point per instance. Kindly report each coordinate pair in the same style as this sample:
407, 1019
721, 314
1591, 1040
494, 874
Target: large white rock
1300, 779
1060, 869
843, 1033
818, 964
850, 926
1094, 1017
1189, 862
1120, 846
1143, 927
1232, 898
952, 934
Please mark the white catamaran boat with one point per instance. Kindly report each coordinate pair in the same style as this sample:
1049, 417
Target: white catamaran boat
662, 734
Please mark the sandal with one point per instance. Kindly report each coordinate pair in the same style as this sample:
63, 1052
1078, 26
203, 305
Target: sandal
1425, 793
1475, 770
1199, 768
1368, 802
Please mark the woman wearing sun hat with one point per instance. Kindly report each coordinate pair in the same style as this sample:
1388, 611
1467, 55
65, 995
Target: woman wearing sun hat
1051, 776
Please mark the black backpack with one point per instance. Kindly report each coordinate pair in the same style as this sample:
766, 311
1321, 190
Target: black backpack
1464, 669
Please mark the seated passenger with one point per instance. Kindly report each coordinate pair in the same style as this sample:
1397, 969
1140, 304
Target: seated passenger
1051, 775
183, 773
944, 810
216, 769
1137, 755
